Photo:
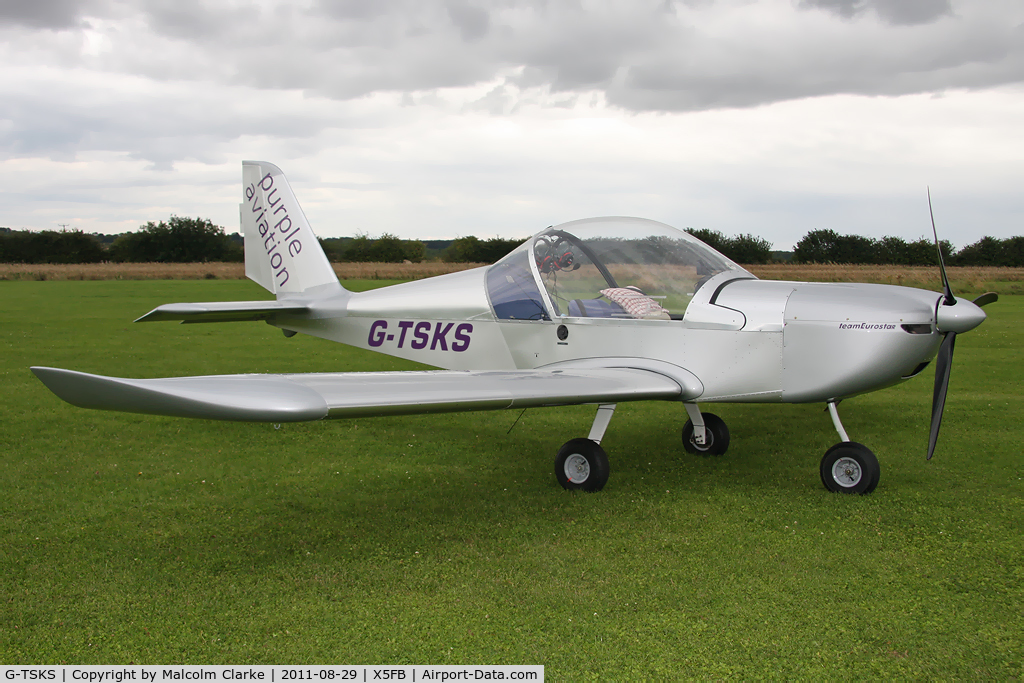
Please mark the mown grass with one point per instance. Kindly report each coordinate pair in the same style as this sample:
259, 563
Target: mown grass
442, 539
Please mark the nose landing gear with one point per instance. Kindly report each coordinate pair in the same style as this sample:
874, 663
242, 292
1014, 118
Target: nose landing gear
848, 467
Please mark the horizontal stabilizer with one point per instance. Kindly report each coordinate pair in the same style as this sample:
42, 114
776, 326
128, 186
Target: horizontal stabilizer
297, 397
221, 312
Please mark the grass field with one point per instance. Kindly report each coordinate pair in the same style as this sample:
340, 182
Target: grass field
442, 539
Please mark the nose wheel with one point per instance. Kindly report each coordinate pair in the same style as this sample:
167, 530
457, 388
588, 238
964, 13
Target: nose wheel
850, 467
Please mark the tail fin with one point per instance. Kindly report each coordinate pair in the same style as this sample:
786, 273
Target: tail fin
281, 252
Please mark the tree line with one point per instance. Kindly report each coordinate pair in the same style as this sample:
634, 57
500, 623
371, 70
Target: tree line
828, 246
177, 240
192, 240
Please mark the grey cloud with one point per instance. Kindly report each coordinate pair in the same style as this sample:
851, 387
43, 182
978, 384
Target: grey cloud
58, 119
643, 55
352, 9
751, 75
472, 22
896, 12
192, 19
910, 12
52, 14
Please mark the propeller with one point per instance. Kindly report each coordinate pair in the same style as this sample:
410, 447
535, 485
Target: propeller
951, 317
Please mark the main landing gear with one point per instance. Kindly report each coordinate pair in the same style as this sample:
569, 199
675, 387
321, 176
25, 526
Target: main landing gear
582, 465
704, 433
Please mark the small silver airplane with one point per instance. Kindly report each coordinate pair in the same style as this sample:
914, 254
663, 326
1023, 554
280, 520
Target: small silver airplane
595, 311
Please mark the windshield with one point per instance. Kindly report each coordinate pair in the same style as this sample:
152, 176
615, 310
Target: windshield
605, 268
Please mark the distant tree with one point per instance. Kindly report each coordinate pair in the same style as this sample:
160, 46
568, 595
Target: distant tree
387, 249
358, 250
330, 249
50, 246
741, 249
749, 249
894, 250
497, 248
712, 238
474, 250
179, 240
828, 246
854, 249
415, 250
1013, 250
465, 250
817, 246
990, 251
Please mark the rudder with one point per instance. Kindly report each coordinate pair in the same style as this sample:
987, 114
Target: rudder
282, 253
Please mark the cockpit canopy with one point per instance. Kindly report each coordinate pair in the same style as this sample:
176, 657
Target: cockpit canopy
628, 268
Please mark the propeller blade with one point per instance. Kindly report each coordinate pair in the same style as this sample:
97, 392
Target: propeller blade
950, 299
943, 364
986, 299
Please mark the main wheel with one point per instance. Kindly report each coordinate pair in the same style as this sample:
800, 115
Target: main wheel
850, 467
716, 436
582, 465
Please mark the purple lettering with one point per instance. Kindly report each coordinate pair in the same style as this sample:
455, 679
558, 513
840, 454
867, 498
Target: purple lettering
283, 230
439, 336
266, 242
420, 335
294, 247
250, 191
270, 200
263, 227
292, 233
276, 265
283, 271
263, 183
376, 337
404, 326
462, 333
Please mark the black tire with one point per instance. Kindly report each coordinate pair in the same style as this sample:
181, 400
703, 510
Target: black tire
716, 436
850, 467
582, 465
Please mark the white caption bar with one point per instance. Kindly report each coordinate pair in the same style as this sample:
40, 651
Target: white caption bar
268, 674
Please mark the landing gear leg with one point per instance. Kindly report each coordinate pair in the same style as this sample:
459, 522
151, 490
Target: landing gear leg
848, 467
581, 464
704, 433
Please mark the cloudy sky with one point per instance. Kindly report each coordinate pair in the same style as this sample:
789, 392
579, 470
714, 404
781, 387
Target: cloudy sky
440, 118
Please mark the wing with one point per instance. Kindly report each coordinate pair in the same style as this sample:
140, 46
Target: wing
314, 396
